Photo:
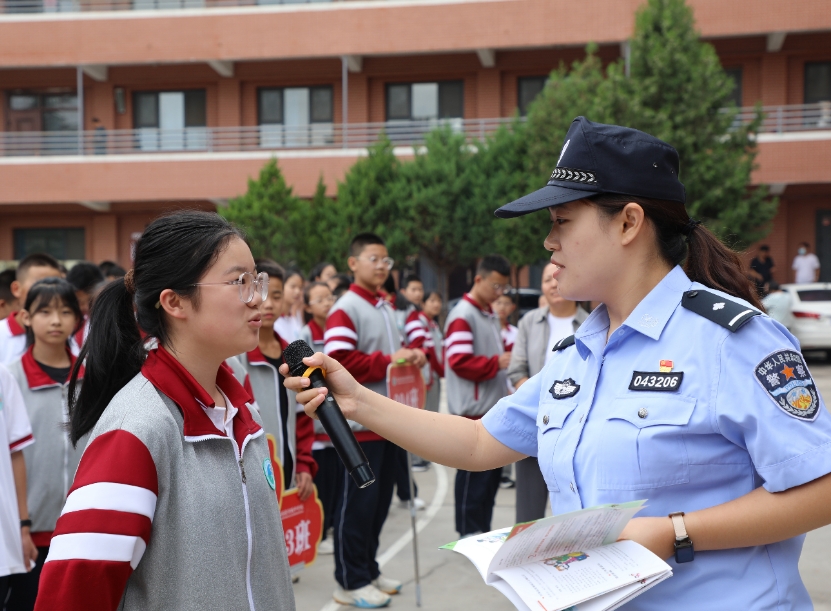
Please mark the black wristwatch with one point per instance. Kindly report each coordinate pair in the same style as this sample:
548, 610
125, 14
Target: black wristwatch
684, 550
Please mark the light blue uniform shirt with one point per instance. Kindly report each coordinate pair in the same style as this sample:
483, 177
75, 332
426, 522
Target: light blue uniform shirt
714, 437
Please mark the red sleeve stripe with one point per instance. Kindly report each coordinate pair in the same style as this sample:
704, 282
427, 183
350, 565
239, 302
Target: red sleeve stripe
104, 522
459, 349
334, 346
459, 337
82, 585
118, 457
18, 445
112, 497
413, 325
97, 546
342, 331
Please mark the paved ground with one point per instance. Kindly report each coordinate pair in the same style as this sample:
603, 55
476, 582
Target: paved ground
449, 581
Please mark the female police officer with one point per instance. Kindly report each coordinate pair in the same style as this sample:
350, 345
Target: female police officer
676, 389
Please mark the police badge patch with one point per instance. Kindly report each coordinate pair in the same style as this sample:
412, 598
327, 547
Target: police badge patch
784, 375
562, 389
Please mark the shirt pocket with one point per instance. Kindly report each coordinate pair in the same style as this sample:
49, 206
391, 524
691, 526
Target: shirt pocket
551, 418
642, 445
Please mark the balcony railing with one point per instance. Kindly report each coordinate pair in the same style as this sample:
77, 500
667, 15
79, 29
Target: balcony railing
235, 139
76, 6
776, 119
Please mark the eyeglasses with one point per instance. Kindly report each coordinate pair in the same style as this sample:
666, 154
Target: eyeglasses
382, 262
329, 299
248, 285
502, 288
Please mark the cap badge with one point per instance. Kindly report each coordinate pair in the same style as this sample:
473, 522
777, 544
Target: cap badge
563, 152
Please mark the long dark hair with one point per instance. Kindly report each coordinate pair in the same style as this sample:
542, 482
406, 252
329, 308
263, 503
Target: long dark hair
706, 259
174, 252
43, 293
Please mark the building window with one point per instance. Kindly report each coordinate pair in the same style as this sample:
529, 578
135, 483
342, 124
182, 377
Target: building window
64, 244
528, 88
53, 112
425, 101
296, 116
736, 94
817, 82
170, 120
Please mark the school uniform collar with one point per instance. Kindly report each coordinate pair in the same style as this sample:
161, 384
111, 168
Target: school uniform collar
317, 332
256, 357
14, 326
36, 377
485, 310
174, 381
376, 299
649, 317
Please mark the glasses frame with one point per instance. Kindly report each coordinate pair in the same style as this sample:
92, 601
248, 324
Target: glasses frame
502, 288
389, 262
260, 280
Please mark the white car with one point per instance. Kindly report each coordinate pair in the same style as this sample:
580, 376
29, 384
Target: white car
811, 310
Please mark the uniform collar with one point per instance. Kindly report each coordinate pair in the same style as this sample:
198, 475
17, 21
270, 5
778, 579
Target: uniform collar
317, 332
486, 310
175, 382
648, 318
36, 377
14, 327
376, 298
256, 356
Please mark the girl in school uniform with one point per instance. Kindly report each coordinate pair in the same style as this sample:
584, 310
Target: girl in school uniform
435, 356
290, 321
51, 314
173, 505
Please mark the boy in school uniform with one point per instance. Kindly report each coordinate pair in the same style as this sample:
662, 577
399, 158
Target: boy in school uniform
475, 364
32, 268
361, 334
503, 307
8, 302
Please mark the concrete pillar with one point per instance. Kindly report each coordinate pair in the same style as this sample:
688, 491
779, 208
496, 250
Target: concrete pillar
104, 242
489, 94
774, 79
229, 103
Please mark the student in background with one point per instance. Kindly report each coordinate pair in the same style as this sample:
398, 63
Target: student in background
111, 270
289, 321
323, 272
177, 468
778, 304
476, 380
318, 301
293, 433
539, 331
17, 552
432, 309
12, 333
51, 314
8, 302
361, 334
87, 279
504, 307
339, 285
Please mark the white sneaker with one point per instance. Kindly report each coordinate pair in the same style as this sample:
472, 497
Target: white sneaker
419, 504
326, 547
368, 597
388, 584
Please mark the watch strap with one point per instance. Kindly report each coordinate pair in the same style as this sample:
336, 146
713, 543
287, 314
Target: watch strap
679, 526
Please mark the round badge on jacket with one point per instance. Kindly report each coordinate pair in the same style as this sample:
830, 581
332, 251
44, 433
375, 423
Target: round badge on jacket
268, 469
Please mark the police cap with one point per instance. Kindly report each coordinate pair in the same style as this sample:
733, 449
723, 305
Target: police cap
598, 158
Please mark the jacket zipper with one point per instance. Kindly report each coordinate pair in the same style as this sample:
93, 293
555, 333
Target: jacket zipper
248, 531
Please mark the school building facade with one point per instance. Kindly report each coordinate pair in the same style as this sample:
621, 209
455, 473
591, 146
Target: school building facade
113, 111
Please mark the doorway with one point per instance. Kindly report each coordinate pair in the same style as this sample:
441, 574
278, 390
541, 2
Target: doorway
824, 244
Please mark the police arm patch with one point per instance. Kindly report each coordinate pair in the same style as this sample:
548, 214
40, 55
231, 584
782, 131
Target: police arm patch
785, 378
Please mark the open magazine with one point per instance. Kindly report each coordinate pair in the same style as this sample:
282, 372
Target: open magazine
570, 561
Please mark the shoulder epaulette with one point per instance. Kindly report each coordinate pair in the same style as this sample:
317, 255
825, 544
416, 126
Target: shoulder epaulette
724, 312
563, 344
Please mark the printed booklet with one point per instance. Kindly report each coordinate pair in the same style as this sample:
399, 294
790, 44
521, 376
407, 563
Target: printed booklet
565, 562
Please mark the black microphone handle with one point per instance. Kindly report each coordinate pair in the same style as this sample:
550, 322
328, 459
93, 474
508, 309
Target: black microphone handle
336, 426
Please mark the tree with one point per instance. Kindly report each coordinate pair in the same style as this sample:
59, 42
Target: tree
676, 91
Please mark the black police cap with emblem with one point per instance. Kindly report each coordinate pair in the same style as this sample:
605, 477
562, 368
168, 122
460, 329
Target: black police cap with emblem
598, 158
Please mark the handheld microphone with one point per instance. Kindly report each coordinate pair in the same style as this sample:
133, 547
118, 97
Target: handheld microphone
332, 419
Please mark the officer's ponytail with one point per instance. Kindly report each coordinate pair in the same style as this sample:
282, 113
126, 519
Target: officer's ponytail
706, 259
174, 252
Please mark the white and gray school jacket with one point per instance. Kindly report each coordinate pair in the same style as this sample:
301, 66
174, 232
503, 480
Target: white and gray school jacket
52, 461
465, 397
166, 511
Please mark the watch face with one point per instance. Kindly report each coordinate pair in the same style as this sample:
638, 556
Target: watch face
684, 552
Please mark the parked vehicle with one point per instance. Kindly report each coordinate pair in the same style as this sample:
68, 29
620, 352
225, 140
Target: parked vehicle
811, 309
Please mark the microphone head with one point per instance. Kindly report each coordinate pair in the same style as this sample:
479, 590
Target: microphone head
294, 354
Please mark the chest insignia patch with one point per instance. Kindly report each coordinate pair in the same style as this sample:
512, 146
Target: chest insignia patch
786, 379
268, 469
663, 381
562, 389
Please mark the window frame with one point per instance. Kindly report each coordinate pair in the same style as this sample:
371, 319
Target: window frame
456, 82
519, 82
156, 92
806, 67
282, 89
